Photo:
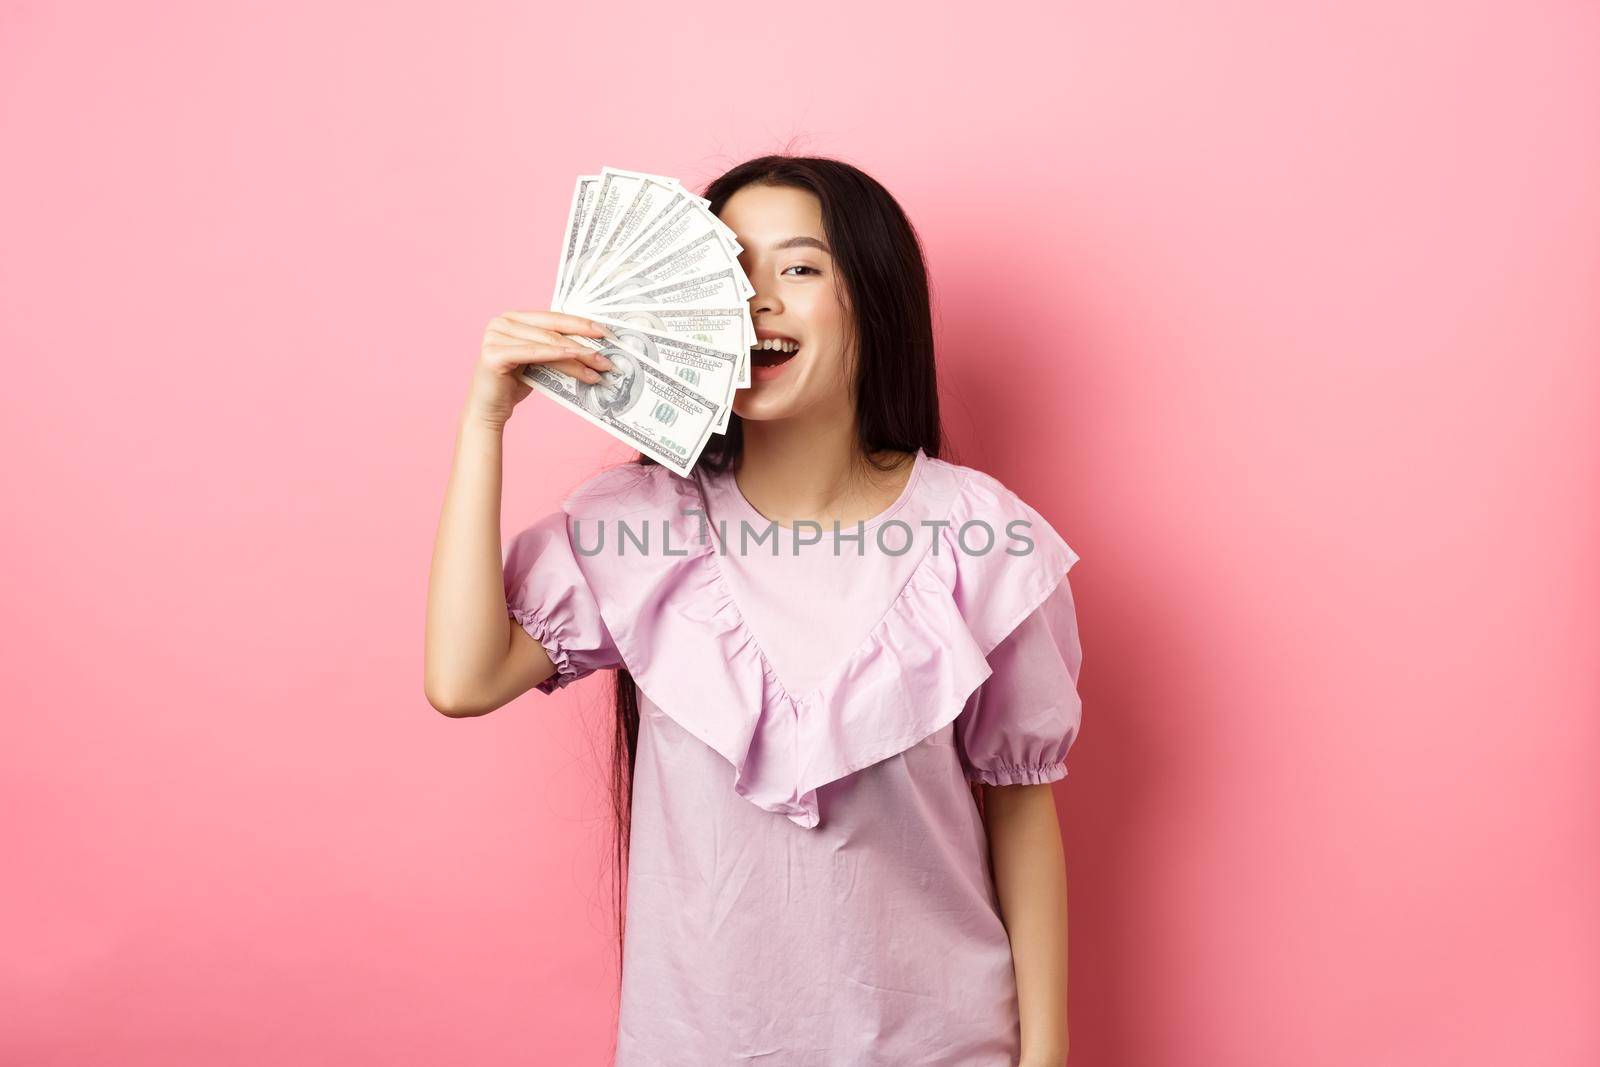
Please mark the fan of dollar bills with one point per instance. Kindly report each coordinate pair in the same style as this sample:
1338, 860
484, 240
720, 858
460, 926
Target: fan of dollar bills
647, 259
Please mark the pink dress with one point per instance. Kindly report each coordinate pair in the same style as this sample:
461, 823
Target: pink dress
809, 881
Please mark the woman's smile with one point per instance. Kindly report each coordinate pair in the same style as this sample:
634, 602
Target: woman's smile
771, 355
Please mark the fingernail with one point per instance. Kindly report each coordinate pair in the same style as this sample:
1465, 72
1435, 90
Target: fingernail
603, 361
592, 375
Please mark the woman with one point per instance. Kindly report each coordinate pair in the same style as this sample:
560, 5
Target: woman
833, 749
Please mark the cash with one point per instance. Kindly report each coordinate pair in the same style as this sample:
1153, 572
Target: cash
648, 260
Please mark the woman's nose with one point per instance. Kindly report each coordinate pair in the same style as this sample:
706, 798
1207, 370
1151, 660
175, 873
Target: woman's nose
764, 300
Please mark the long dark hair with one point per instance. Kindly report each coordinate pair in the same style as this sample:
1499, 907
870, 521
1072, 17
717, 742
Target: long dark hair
878, 257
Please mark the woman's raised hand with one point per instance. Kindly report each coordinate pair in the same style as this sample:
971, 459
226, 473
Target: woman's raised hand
519, 337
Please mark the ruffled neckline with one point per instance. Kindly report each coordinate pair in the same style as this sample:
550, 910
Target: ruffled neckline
722, 590
685, 640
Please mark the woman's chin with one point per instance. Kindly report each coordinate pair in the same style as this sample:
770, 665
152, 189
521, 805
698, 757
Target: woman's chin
763, 402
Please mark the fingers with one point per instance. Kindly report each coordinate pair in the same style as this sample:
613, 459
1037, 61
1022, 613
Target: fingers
576, 370
557, 321
518, 338
511, 328
542, 352
512, 355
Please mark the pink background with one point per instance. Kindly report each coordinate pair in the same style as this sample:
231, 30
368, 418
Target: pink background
1284, 314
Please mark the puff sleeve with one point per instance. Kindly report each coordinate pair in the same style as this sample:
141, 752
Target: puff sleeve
547, 594
1017, 727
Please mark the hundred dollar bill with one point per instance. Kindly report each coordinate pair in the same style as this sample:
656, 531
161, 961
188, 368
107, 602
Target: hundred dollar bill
597, 219
726, 329
720, 288
636, 402
653, 197
703, 255
707, 371
650, 260
724, 227
582, 198
721, 328
686, 223
688, 259
624, 259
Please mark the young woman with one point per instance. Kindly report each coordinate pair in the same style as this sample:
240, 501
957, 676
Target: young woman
846, 670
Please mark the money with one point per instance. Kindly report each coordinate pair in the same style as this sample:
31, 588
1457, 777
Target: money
637, 402
646, 258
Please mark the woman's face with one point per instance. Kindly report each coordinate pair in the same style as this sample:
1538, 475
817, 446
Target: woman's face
798, 296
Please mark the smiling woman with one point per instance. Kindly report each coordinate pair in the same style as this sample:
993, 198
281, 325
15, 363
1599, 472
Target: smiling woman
808, 245
841, 422
805, 743
799, 302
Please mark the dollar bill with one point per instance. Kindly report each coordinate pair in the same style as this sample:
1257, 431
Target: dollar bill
653, 199
724, 329
635, 401
707, 371
718, 287
598, 215
582, 198
705, 254
688, 223
647, 258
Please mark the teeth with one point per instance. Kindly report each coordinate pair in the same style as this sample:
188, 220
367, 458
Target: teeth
775, 345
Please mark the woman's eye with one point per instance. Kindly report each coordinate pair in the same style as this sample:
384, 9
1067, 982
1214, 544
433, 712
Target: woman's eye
797, 266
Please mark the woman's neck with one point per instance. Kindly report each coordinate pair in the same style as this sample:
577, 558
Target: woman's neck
791, 473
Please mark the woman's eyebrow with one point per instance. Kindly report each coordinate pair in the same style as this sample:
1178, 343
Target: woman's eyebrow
800, 242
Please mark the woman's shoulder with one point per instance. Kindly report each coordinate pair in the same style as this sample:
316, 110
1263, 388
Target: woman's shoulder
1004, 556
977, 492
625, 489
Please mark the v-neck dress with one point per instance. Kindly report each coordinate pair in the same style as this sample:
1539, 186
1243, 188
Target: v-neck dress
809, 881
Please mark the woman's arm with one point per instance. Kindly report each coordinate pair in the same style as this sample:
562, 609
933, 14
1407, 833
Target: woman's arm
476, 658
1030, 875
470, 639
